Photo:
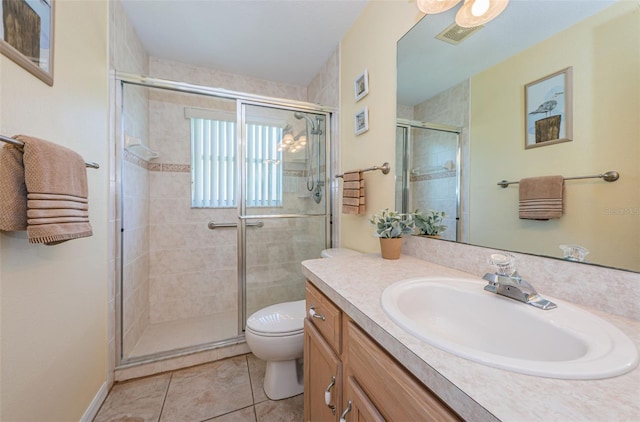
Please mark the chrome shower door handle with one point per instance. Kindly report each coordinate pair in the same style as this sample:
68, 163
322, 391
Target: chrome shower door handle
213, 225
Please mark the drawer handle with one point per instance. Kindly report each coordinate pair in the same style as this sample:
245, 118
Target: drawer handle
327, 395
313, 314
347, 410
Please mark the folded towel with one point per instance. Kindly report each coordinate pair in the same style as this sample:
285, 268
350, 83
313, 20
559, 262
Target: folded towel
57, 192
353, 201
541, 198
13, 191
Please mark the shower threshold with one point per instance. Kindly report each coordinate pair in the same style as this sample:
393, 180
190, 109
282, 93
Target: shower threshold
190, 332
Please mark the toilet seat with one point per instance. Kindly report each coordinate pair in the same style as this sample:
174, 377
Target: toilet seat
338, 252
279, 320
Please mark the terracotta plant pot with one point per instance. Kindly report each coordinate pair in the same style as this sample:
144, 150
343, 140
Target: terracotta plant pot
390, 247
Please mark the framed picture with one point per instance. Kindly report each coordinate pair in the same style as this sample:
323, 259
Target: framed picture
362, 121
361, 85
26, 35
549, 110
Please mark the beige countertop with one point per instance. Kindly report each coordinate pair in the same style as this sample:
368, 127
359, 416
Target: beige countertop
477, 392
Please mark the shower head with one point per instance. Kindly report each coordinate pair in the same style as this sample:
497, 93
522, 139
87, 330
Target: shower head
301, 116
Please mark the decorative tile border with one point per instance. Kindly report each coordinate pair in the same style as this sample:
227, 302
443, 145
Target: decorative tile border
432, 176
186, 168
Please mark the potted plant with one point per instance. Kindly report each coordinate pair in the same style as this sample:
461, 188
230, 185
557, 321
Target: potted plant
429, 223
390, 227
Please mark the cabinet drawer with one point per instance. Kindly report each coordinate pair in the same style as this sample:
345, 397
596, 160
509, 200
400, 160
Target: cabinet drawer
394, 392
326, 316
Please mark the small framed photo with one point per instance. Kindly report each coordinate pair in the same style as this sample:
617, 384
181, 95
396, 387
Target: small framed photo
26, 35
362, 121
548, 109
361, 85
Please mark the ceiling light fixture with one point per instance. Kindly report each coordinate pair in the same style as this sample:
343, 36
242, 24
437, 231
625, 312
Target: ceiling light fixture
472, 13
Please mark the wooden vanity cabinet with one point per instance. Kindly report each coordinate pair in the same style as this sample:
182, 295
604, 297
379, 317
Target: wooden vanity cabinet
322, 378
370, 385
394, 392
322, 364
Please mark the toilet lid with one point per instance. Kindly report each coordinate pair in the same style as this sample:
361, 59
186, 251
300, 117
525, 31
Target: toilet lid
284, 317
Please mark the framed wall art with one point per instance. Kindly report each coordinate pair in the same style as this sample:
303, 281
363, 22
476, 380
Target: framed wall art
361, 85
549, 109
362, 121
26, 35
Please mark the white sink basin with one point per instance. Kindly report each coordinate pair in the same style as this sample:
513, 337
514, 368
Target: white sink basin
458, 316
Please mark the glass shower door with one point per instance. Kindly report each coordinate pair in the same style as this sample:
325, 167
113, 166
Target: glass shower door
284, 211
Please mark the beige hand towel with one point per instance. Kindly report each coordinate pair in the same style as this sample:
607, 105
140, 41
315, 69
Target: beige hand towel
57, 192
353, 201
13, 191
541, 198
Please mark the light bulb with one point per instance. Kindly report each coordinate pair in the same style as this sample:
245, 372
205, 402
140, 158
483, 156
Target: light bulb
478, 12
480, 7
432, 7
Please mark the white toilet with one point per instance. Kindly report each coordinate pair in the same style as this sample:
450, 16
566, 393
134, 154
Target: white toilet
275, 334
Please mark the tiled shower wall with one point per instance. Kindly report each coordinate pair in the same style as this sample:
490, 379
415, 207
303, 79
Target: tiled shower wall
135, 243
193, 270
433, 186
128, 54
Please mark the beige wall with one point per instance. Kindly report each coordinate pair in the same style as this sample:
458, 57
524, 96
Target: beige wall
606, 93
371, 44
54, 298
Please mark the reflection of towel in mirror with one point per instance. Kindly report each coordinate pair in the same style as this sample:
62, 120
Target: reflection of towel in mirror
541, 198
56, 199
353, 193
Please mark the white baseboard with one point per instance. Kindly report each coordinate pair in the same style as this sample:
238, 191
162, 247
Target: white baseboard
97, 401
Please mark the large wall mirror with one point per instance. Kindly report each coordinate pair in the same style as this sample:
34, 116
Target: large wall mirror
476, 82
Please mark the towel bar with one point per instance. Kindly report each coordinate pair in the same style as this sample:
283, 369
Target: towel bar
17, 143
385, 168
610, 176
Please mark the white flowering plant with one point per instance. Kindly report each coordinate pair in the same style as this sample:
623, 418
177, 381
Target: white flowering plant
392, 224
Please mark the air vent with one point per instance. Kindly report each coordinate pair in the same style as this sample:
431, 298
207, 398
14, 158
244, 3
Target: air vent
454, 34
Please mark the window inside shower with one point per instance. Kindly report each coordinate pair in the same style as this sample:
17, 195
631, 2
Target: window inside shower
213, 163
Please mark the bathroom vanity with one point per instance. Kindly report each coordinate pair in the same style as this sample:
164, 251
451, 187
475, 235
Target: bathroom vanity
359, 363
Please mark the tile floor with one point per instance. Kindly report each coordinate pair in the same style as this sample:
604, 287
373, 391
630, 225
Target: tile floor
228, 390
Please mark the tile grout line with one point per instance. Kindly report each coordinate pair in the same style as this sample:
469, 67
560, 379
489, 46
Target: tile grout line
228, 413
253, 398
164, 400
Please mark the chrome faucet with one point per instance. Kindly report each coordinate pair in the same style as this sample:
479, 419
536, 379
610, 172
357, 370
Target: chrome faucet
507, 282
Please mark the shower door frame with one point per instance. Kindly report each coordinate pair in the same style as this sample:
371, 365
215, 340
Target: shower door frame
242, 99
407, 125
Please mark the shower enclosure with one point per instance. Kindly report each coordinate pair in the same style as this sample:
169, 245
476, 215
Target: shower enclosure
428, 156
222, 196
